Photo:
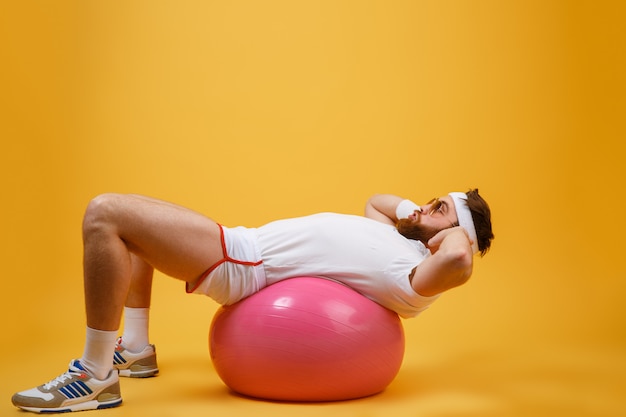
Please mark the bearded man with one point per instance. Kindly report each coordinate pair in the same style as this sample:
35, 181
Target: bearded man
400, 254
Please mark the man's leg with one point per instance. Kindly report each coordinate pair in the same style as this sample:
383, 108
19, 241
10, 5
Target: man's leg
137, 306
134, 355
122, 234
140, 291
176, 241
125, 237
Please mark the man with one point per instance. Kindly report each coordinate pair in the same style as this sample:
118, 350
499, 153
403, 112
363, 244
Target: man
400, 255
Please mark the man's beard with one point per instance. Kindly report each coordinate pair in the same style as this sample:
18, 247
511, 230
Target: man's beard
415, 231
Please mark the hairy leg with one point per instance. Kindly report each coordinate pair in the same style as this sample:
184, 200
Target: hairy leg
119, 230
140, 291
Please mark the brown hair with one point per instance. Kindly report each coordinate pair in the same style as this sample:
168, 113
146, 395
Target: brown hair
481, 214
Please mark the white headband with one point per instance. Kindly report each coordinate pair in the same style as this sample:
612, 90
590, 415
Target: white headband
465, 217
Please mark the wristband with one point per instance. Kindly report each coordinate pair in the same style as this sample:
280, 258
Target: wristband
405, 208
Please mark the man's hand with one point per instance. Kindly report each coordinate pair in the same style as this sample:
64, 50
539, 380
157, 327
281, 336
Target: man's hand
453, 236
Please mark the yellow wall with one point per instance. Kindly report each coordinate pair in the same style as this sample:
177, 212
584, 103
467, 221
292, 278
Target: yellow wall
250, 111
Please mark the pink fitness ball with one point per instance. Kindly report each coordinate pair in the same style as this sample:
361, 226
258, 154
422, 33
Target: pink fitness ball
306, 339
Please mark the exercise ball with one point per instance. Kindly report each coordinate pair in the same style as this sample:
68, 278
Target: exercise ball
306, 339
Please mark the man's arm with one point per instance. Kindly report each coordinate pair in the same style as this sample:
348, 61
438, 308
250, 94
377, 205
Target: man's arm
382, 207
449, 266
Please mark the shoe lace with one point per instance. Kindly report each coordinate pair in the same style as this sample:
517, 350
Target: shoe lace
61, 379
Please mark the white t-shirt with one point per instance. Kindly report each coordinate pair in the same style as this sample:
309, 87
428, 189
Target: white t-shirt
368, 256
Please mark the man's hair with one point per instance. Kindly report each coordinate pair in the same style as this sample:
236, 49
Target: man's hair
482, 220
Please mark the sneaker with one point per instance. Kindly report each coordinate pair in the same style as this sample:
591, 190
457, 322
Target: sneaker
72, 391
135, 365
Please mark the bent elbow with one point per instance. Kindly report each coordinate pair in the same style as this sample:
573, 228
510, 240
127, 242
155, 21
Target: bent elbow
462, 261
460, 257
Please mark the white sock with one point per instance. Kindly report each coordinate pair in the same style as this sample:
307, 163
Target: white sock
98, 355
136, 323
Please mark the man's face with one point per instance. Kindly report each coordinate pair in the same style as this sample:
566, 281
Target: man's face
436, 215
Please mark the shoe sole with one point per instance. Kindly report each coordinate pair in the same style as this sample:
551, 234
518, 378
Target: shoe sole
84, 406
132, 372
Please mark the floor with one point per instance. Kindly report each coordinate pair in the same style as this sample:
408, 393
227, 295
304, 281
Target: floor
438, 379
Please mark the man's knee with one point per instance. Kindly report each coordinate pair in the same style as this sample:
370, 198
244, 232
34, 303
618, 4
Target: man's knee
101, 212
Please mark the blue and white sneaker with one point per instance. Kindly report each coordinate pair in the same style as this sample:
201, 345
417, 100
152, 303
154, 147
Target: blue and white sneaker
135, 364
74, 390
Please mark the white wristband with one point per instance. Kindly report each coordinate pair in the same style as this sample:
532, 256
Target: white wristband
405, 208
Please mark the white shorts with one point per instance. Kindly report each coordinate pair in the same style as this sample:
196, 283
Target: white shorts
239, 274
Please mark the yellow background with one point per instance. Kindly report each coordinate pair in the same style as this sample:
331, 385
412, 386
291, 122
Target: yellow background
250, 111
